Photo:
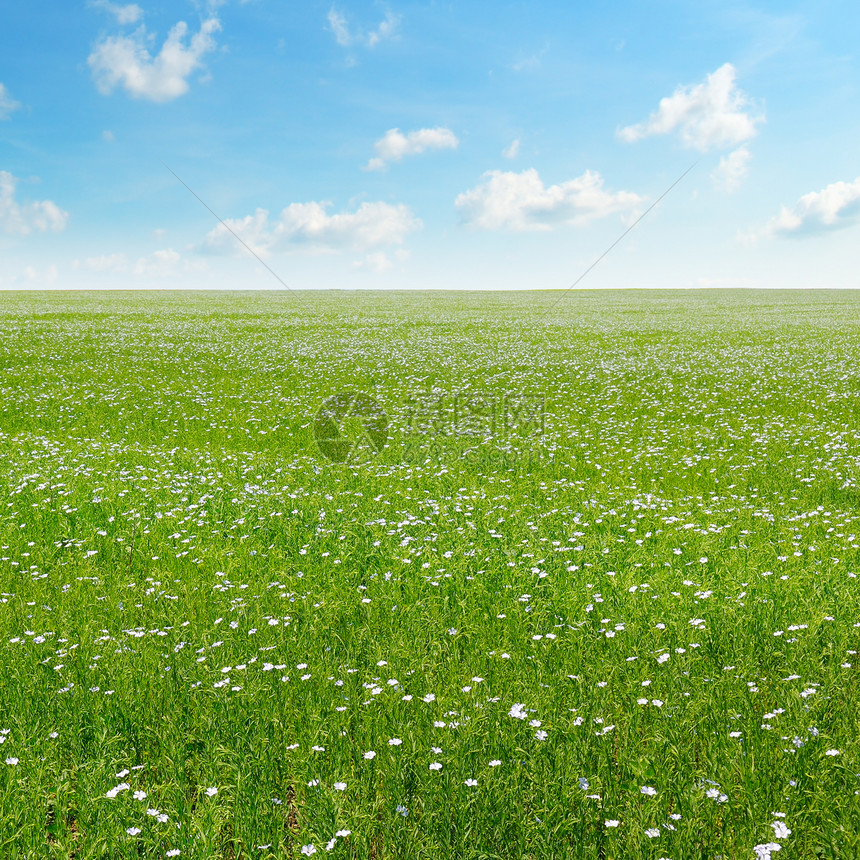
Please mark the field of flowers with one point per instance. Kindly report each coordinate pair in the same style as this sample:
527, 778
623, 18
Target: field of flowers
430, 576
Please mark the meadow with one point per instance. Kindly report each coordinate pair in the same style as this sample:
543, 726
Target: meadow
430, 575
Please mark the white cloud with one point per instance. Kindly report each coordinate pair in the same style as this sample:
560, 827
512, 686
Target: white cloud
338, 25
345, 37
30, 278
513, 150
707, 115
103, 263
45, 278
7, 103
160, 264
253, 230
307, 226
387, 28
521, 202
834, 207
22, 218
129, 14
377, 262
395, 145
125, 61
732, 169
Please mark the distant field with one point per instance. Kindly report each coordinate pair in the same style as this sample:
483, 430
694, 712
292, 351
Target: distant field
430, 575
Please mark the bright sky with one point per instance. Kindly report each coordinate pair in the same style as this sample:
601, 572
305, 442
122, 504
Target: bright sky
488, 145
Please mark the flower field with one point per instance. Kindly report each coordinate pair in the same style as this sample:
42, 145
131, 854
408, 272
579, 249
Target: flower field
520, 575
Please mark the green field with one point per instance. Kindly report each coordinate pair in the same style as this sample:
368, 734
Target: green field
588, 588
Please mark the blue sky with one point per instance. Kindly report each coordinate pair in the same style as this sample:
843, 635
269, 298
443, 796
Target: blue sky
406, 145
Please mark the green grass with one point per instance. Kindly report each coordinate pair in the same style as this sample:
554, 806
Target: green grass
583, 502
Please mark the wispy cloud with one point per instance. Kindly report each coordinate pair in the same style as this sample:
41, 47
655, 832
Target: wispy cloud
732, 169
347, 36
377, 261
339, 27
20, 219
309, 227
513, 150
7, 103
130, 13
125, 61
40, 278
520, 202
835, 207
31, 278
159, 264
162, 263
713, 114
530, 62
395, 145
103, 263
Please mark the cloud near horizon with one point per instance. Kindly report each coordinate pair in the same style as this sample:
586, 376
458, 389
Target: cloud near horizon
159, 264
835, 207
124, 61
103, 263
713, 114
20, 219
308, 227
162, 263
520, 202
